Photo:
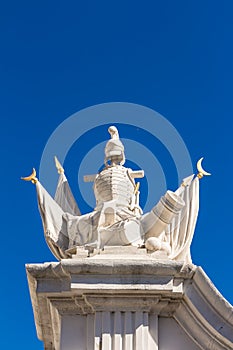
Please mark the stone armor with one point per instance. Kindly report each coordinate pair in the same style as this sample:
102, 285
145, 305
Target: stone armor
114, 183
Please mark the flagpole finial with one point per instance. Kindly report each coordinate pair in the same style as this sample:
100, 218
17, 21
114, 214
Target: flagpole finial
31, 177
59, 167
201, 171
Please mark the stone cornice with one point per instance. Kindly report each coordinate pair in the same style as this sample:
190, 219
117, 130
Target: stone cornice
66, 267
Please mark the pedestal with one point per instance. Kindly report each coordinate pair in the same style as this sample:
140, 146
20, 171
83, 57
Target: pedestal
126, 300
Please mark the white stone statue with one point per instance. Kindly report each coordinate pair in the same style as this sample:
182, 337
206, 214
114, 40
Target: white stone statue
117, 219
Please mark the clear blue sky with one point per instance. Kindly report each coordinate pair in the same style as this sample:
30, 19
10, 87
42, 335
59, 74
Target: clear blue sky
58, 57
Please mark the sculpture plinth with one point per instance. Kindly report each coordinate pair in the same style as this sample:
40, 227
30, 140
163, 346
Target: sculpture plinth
130, 303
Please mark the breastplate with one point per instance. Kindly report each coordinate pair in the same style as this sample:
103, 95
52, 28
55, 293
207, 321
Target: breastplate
114, 183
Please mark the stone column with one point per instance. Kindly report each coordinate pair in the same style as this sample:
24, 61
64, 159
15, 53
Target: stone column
104, 322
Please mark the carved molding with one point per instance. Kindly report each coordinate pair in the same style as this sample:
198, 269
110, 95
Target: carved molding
188, 296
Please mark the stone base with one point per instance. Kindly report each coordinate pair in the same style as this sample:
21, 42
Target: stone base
132, 302
117, 252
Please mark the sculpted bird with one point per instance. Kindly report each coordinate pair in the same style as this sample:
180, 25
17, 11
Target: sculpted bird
114, 149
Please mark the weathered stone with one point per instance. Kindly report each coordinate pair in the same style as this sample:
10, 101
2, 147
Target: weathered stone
99, 303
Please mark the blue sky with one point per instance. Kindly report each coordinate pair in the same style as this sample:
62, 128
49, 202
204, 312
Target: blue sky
57, 57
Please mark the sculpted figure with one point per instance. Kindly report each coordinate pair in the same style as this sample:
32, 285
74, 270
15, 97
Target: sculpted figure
117, 219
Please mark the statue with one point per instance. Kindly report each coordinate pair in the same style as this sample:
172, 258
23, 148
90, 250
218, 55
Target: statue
117, 219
